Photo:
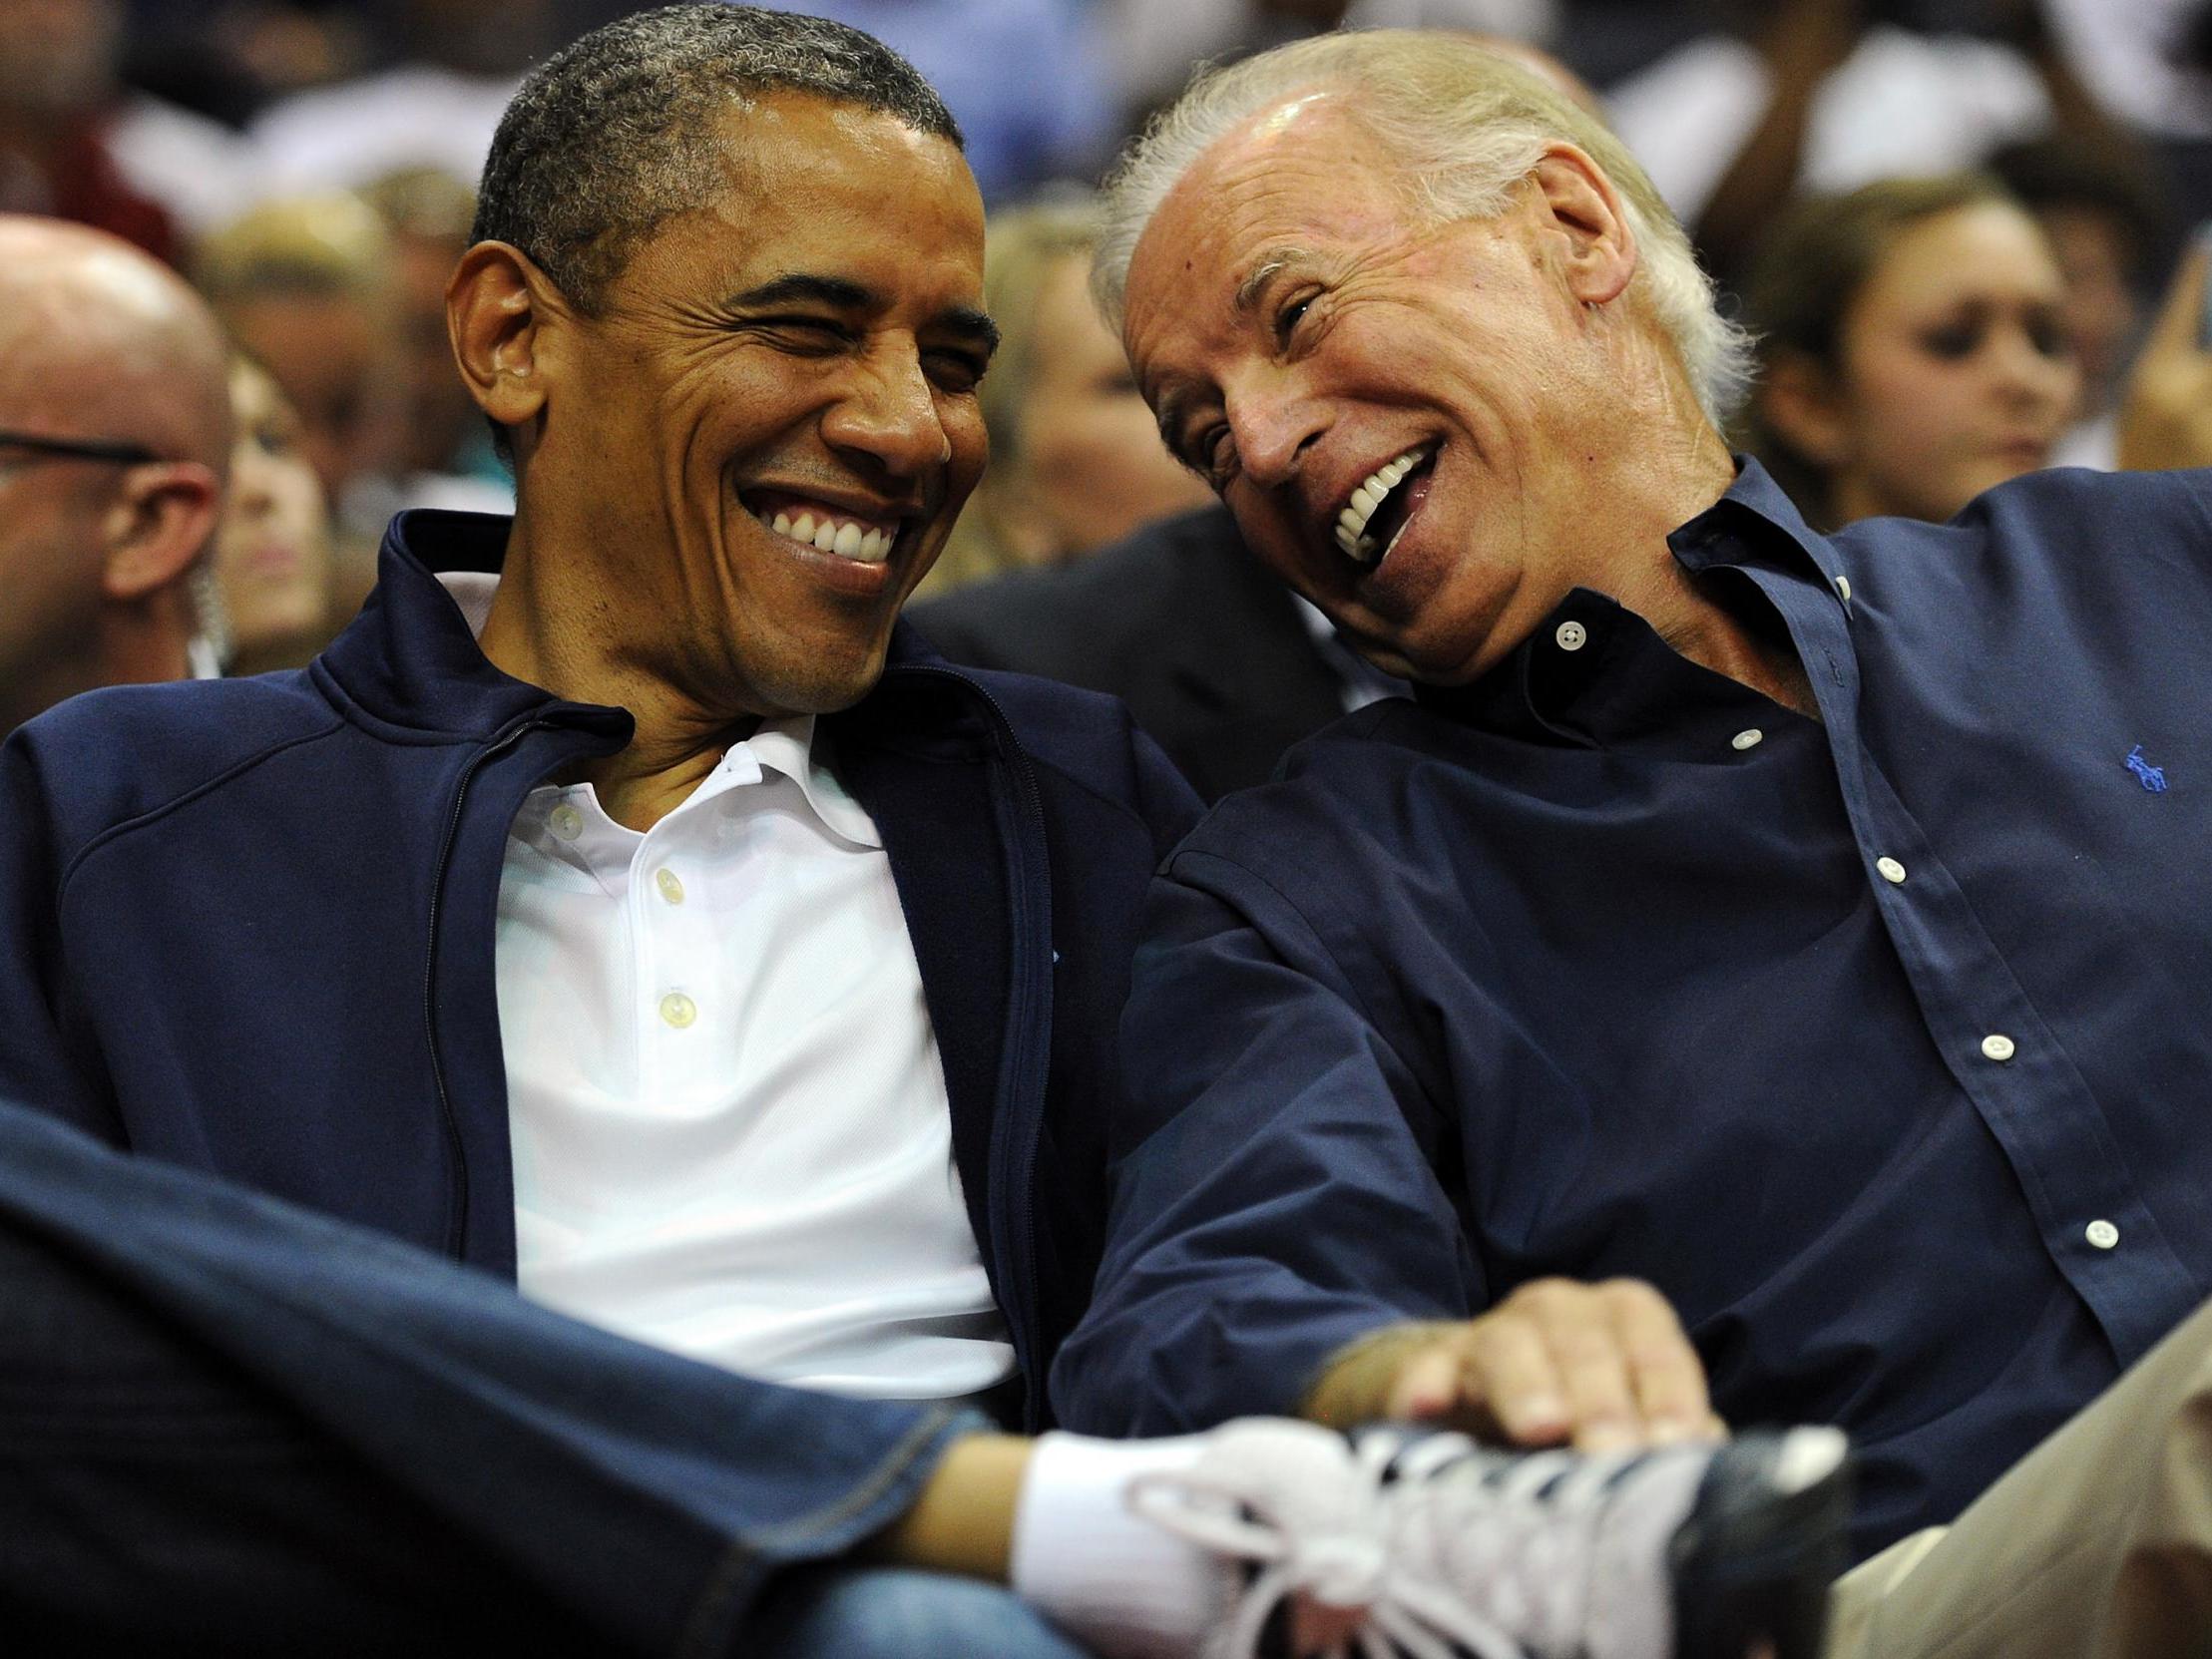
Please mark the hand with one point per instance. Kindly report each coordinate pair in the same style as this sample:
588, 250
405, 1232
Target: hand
1806, 41
2166, 413
1602, 1366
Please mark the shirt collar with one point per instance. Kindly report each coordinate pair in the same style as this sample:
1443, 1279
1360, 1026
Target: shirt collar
796, 747
1594, 672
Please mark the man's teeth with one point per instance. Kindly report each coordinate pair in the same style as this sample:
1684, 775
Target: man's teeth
1351, 524
826, 535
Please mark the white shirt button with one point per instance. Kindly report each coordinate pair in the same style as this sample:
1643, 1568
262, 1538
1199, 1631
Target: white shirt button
2102, 1234
1894, 871
679, 1009
670, 888
564, 821
1997, 1045
1571, 635
1843, 588
1749, 738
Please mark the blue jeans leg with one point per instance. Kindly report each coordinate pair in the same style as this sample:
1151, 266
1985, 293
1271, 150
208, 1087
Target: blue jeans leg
895, 1613
231, 1425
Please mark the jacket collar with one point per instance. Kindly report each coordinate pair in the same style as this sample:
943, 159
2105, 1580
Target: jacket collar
410, 662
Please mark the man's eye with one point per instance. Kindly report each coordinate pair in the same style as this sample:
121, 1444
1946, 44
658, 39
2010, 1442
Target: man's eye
805, 333
1215, 455
956, 371
1288, 318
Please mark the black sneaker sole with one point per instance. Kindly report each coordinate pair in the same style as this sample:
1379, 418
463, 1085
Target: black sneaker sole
1754, 1560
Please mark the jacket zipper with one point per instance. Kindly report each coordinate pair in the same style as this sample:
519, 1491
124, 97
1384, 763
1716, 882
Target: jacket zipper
1033, 1003
457, 1199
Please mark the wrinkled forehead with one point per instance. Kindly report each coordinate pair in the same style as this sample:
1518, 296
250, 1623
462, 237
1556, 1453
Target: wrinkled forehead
1301, 184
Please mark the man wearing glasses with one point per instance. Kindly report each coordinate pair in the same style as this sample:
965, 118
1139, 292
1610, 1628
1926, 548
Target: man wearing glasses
115, 437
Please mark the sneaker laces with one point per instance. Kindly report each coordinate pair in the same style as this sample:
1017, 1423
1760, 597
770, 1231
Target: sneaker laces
1494, 1561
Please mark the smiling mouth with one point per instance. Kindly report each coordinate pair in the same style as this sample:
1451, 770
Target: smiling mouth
862, 538
1368, 524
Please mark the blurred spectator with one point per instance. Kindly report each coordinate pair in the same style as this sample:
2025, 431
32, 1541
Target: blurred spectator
1825, 95
306, 286
75, 146
428, 215
231, 58
1219, 662
272, 554
437, 108
1026, 79
115, 435
1154, 44
2148, 61
2104, 218
1913, 348
1076, 458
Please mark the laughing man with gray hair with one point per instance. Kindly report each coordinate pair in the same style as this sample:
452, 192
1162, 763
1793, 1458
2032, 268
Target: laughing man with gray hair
1757, 973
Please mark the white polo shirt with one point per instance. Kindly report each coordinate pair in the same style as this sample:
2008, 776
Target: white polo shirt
728, 1116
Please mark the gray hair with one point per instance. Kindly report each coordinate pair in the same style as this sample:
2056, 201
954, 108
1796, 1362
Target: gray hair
1470, 125
615, 135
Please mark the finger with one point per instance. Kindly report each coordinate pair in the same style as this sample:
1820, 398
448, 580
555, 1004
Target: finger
1507, 1369
1664, 1372
2178, 330
1427, 1386
1594, 1368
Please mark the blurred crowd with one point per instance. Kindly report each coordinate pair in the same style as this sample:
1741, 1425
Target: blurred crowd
1945, 222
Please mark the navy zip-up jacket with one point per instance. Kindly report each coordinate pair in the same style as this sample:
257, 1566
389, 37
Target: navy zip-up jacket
250, 923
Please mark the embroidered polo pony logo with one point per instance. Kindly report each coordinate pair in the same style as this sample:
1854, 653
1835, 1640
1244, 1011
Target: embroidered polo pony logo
2150, 778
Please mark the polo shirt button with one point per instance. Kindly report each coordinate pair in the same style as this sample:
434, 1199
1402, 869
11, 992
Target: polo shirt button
1843, 588
679, 1009
564, 821
2102, 1234
1749, 738
1894, 871
1571, 635
1998, 1047
670, 888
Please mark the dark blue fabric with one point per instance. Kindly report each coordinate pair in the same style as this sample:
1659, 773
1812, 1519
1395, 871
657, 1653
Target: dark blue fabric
250, 924
230, 1426
1547, 976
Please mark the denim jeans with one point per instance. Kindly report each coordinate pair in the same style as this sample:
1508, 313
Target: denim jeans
228, 1426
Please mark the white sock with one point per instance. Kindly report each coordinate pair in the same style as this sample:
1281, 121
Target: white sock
1105, 1575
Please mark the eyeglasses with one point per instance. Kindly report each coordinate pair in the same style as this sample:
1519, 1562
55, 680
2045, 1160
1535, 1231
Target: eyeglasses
82, 449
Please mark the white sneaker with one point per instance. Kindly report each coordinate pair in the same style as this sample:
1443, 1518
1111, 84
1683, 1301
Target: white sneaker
1444, 1550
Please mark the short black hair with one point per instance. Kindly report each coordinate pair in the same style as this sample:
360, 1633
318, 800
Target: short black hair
614, 134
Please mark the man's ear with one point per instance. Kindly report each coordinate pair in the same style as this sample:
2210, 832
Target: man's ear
164, 515
1798, 400
1578, 203
495, 309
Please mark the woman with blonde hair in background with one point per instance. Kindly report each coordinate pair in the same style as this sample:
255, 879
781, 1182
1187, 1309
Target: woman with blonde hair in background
1913, 349
272, 562
1076, 460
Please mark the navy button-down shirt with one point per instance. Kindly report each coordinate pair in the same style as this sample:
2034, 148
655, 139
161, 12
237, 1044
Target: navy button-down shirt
1881, 1042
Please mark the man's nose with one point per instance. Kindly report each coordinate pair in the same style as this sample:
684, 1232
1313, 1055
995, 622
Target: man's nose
1274, 428
889, 417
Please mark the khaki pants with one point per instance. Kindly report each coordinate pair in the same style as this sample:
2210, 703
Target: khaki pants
2098, 1544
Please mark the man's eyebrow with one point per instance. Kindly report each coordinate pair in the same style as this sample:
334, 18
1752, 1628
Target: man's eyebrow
1271, 264
841, 293
972, 325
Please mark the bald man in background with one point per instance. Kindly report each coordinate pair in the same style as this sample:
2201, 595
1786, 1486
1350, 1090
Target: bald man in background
115, 440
